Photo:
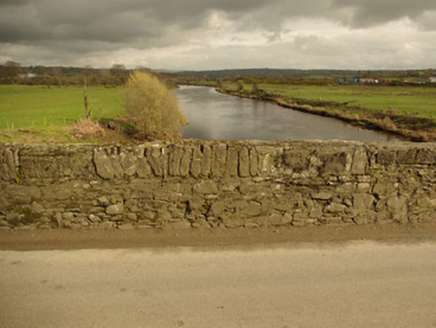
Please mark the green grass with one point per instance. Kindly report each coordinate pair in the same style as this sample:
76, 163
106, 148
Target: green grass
36, 107
418, 101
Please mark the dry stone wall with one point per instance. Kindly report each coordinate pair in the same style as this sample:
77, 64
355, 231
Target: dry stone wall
198, 184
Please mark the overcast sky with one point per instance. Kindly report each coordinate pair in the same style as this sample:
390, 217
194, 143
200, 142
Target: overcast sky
220, 34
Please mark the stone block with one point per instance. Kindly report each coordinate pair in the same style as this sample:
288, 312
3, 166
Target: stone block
106, 225
94, 218
275, 219
219, 159
295, 160
157, 158
103, 200
218, 208
13, 219
406, 156
360, 161
254, 162
300, 219
115, 209
397, 205
201, 224
24, 195
38, 209
244, 163
248, 223
322, 195
206, 161
231, 162
361, 219
196, 163
143, 169
232, 221
266, 150
55, 162
336, 220
248, 208
126, 226
174, 158
346, 188
132, 217
386, 157
426, 157
363, 187
206, 187
383, 217
107, 163
127, 162
335, 208
384, 187
316, 211
8, 170
427, 217
283, 205
185, 162
267, 164
362, 202
334, 164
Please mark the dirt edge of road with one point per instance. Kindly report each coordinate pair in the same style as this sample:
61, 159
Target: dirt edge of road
63, 239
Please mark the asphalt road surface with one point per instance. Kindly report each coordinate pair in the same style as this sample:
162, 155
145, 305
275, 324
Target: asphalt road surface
347, 284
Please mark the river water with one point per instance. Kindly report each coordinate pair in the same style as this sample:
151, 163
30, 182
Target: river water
215, 116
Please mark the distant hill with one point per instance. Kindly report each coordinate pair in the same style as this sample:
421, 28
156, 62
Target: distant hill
285, 73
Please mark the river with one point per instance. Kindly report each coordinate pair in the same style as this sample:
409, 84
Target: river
215, 116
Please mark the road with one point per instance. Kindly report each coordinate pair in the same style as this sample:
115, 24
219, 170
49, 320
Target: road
346, 284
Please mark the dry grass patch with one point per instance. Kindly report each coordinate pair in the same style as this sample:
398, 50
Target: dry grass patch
86, 129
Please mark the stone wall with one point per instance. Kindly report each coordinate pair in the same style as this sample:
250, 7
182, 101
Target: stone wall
202, 184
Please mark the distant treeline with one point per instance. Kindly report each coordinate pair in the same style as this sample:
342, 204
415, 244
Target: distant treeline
310, 77
293, 73
13, 73
117, 75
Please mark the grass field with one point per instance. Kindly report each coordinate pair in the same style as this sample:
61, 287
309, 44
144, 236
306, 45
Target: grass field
417, 101
36, 106
38, 114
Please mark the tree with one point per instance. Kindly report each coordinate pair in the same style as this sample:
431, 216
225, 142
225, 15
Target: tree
58, 75
12, 69
153, 107
119, 74
427, 74
239, 86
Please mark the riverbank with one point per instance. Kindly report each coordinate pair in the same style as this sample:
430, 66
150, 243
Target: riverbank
408, 126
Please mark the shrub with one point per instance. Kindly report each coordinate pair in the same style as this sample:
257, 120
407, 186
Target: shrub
153, 108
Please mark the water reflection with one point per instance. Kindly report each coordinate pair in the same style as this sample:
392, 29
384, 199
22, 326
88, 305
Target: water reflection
214, 116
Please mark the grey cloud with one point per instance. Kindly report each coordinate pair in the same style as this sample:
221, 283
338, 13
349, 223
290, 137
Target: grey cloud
60, 20
428, 20
66, 28
372, 12
138, 20
54, 18
13, 2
